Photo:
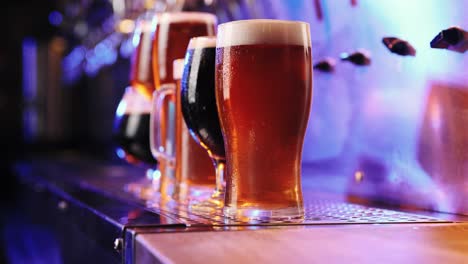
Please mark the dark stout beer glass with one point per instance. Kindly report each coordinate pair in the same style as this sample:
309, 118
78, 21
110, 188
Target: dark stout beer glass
263, 93
199, 107
131, 128
195, 175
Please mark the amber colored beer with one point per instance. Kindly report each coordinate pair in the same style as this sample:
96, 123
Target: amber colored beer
192, 160
160, 40
263, 92
141, 69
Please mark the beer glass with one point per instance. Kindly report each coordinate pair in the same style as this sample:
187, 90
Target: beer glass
194, 173
172, 34
132, 117
160, 38
130, 128
263, 94
199, 108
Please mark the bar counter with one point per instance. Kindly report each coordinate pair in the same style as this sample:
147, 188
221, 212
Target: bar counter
82, 201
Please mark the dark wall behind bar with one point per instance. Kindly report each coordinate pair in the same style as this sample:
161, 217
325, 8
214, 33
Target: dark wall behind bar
19, 19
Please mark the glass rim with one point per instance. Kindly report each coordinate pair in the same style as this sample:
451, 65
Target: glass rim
202, 42
186, 16
264, 21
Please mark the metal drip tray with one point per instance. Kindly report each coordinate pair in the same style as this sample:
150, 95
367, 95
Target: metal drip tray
317, 212
323, 211
105, 195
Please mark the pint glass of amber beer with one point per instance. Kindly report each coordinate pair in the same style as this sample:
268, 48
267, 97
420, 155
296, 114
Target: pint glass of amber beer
263, 94
172, 34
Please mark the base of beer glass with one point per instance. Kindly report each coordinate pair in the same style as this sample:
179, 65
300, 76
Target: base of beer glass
247, 214
211, 203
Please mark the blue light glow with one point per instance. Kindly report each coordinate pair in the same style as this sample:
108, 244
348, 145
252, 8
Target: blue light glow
74, 58
71, 64
153, 175
55, 18
29, 68
255, 213
93, 63
127, 48
121, 108
120, 153
197, 193
136, 36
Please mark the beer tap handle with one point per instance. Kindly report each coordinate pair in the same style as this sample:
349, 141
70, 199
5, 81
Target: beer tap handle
359, 58
453, 38
399, 46
325, 65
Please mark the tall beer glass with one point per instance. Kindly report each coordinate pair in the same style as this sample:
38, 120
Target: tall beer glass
172, 35
263, 93
200, 111
132, 118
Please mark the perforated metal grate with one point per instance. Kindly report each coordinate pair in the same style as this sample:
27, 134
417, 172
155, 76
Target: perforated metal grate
316, 212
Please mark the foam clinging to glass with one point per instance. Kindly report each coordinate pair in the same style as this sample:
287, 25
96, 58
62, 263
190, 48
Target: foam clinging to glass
263, 31
177, 68
202, 42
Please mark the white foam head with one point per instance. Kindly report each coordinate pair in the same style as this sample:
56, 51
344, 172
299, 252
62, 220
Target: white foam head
178, 17
178, 69
202, 42
263, 31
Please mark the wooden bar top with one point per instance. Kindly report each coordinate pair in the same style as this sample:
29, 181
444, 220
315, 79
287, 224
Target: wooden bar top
398, 243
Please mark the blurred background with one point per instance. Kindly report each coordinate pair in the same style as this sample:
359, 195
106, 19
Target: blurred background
385, 127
